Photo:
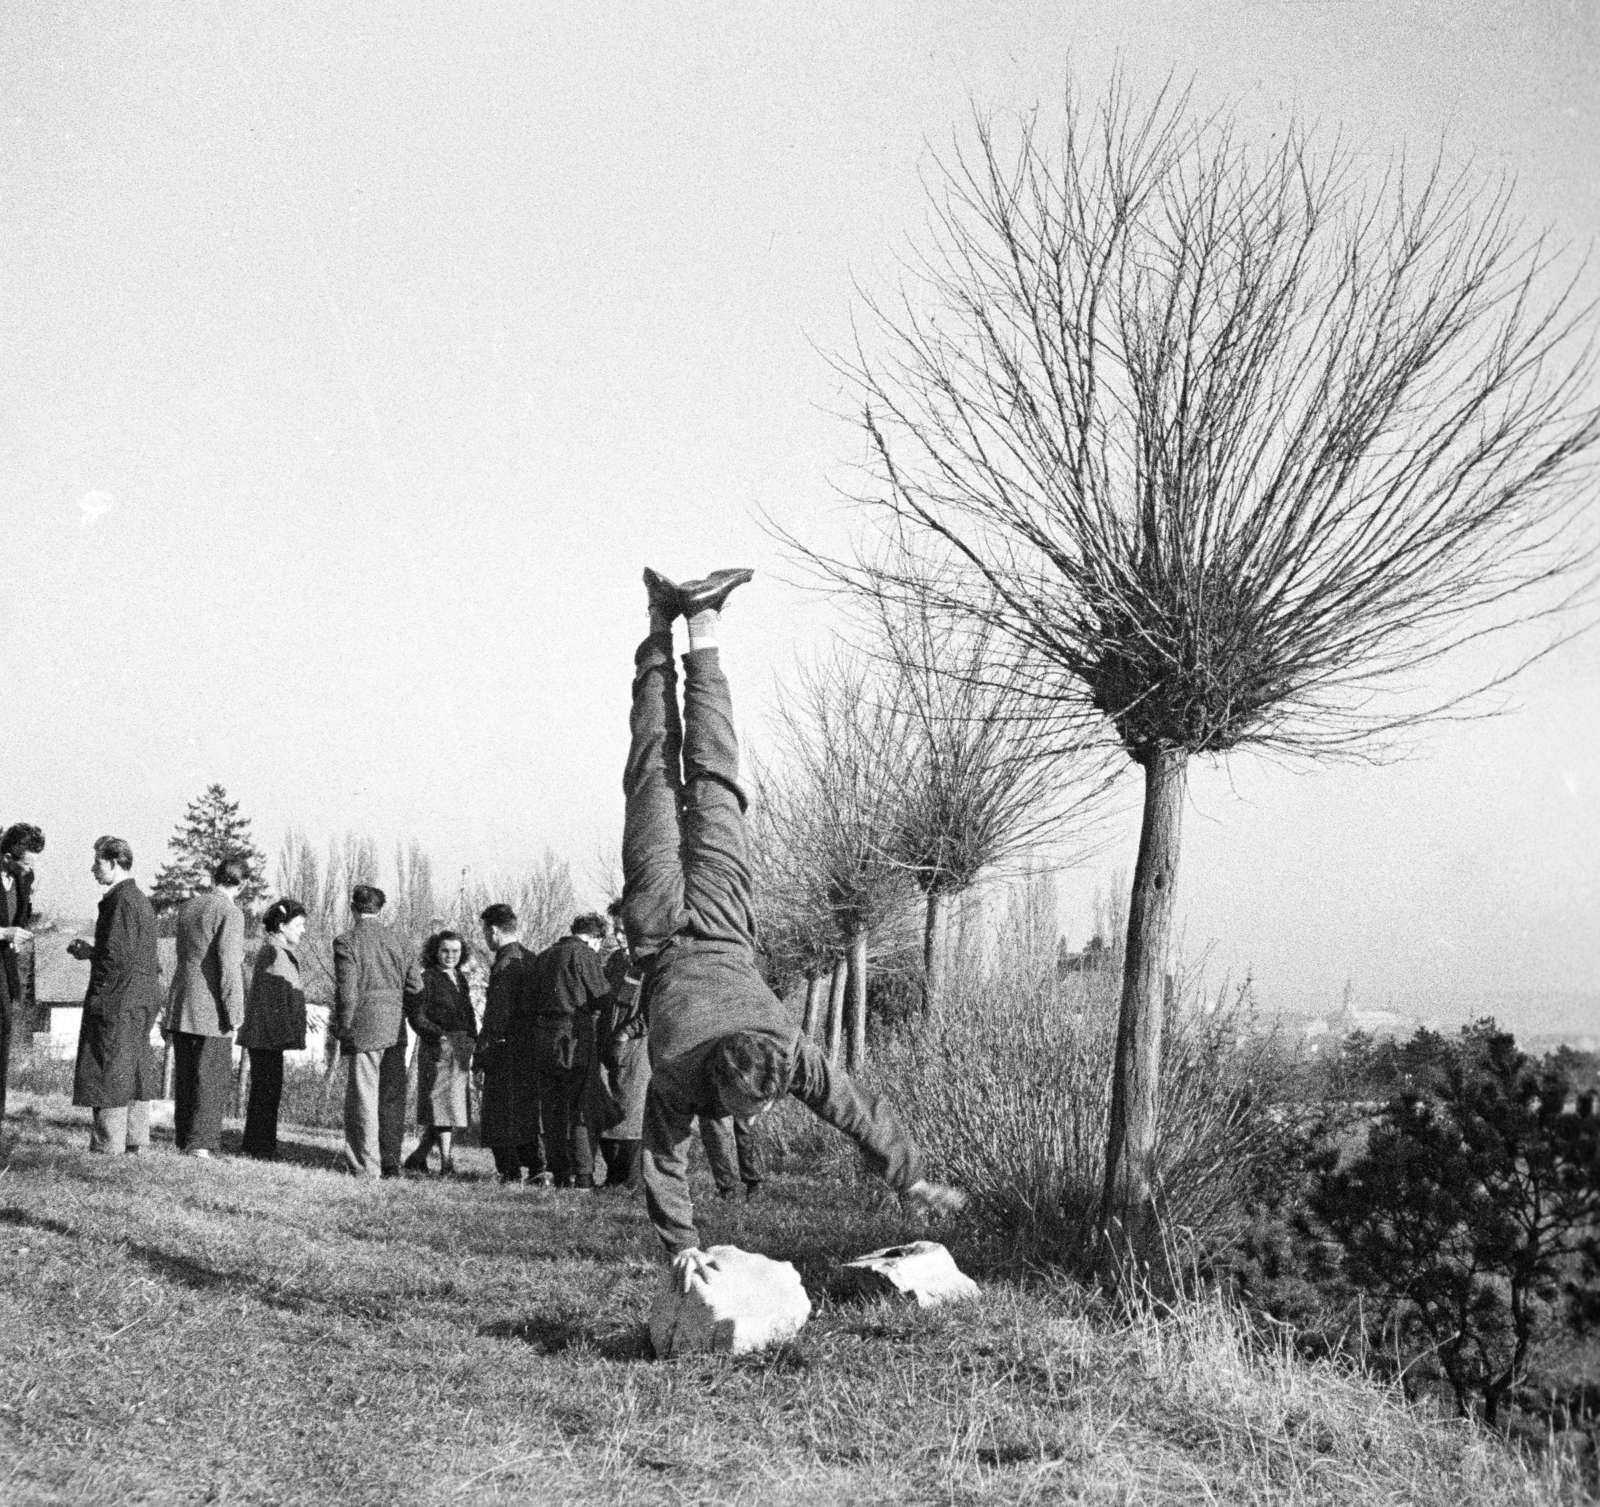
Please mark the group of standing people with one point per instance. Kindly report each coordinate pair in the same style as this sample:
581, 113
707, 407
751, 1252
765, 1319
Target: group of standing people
561, 1051
678, 1026
117, 1073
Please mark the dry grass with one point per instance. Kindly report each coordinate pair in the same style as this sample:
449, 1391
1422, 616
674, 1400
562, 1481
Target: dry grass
178, 1331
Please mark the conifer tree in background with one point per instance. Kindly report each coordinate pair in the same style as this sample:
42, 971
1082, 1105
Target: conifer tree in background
211, 831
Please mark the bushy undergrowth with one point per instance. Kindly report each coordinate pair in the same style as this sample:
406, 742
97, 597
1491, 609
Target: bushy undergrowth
1008, 1092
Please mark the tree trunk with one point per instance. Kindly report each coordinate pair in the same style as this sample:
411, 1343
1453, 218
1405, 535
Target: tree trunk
934, 932
857, 1052
841, 973
809, 1022
1130, 1236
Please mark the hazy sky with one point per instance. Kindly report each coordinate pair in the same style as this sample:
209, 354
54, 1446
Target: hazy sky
354, 358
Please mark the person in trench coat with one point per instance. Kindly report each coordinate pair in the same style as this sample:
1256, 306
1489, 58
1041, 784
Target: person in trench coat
116, 1074
204, 1006
509, 1107
624, 1052
274, 1023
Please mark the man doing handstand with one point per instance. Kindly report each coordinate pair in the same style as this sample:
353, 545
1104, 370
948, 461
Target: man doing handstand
721, 1042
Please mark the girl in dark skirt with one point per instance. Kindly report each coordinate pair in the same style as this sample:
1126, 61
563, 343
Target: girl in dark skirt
274, 1023
439, 1008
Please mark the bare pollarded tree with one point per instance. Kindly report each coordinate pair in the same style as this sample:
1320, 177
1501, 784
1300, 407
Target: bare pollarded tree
991, 774
1226, 443
831, 804
795, 928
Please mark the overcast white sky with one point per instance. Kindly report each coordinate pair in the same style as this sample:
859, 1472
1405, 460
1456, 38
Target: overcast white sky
354, 358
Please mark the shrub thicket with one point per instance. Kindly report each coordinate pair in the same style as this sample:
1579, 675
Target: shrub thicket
1008, 1093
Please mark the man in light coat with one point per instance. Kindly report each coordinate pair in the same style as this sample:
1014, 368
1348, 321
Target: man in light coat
204, 1005
370, 963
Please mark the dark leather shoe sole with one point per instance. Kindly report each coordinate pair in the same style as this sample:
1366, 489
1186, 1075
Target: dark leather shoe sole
664, 594
709, 594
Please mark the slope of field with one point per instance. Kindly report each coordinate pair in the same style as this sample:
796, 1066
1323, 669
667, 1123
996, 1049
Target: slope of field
176, 1331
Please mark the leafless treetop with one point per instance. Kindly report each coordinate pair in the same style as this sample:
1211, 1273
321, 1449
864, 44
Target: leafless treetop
1224, 440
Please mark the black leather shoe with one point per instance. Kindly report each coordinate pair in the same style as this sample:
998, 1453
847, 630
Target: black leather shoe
709, 594
416, 1162
665, 596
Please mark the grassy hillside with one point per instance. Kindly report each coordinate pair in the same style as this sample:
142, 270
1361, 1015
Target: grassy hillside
181, 1331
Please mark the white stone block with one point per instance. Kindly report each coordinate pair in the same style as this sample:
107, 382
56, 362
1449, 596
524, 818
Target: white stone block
924, 1271
742, 1302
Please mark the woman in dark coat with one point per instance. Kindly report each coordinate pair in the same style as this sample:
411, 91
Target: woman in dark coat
274, 1023
116, 1074
439, 1007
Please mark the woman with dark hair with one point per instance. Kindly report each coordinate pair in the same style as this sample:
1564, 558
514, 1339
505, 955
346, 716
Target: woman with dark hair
274, 1023
439, 1008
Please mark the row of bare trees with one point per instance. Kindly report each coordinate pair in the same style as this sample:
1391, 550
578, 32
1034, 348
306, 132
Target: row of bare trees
1197, 443
543, 896
910, 766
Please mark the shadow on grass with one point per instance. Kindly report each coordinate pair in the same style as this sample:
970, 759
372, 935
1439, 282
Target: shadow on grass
317, 1157
27, 1221
551, 1335
187, 1271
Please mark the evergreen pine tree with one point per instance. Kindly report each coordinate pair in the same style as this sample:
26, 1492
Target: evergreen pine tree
211, 831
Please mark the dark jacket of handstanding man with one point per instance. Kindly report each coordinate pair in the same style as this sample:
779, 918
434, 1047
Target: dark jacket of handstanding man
721, 1043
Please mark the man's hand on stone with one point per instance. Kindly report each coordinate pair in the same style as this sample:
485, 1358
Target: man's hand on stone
687, 1265
936, 1198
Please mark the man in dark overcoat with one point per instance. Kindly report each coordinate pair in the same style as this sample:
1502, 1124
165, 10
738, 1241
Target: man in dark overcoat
117, 1074
569, 989
370, 963
508, 1112
19, 843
